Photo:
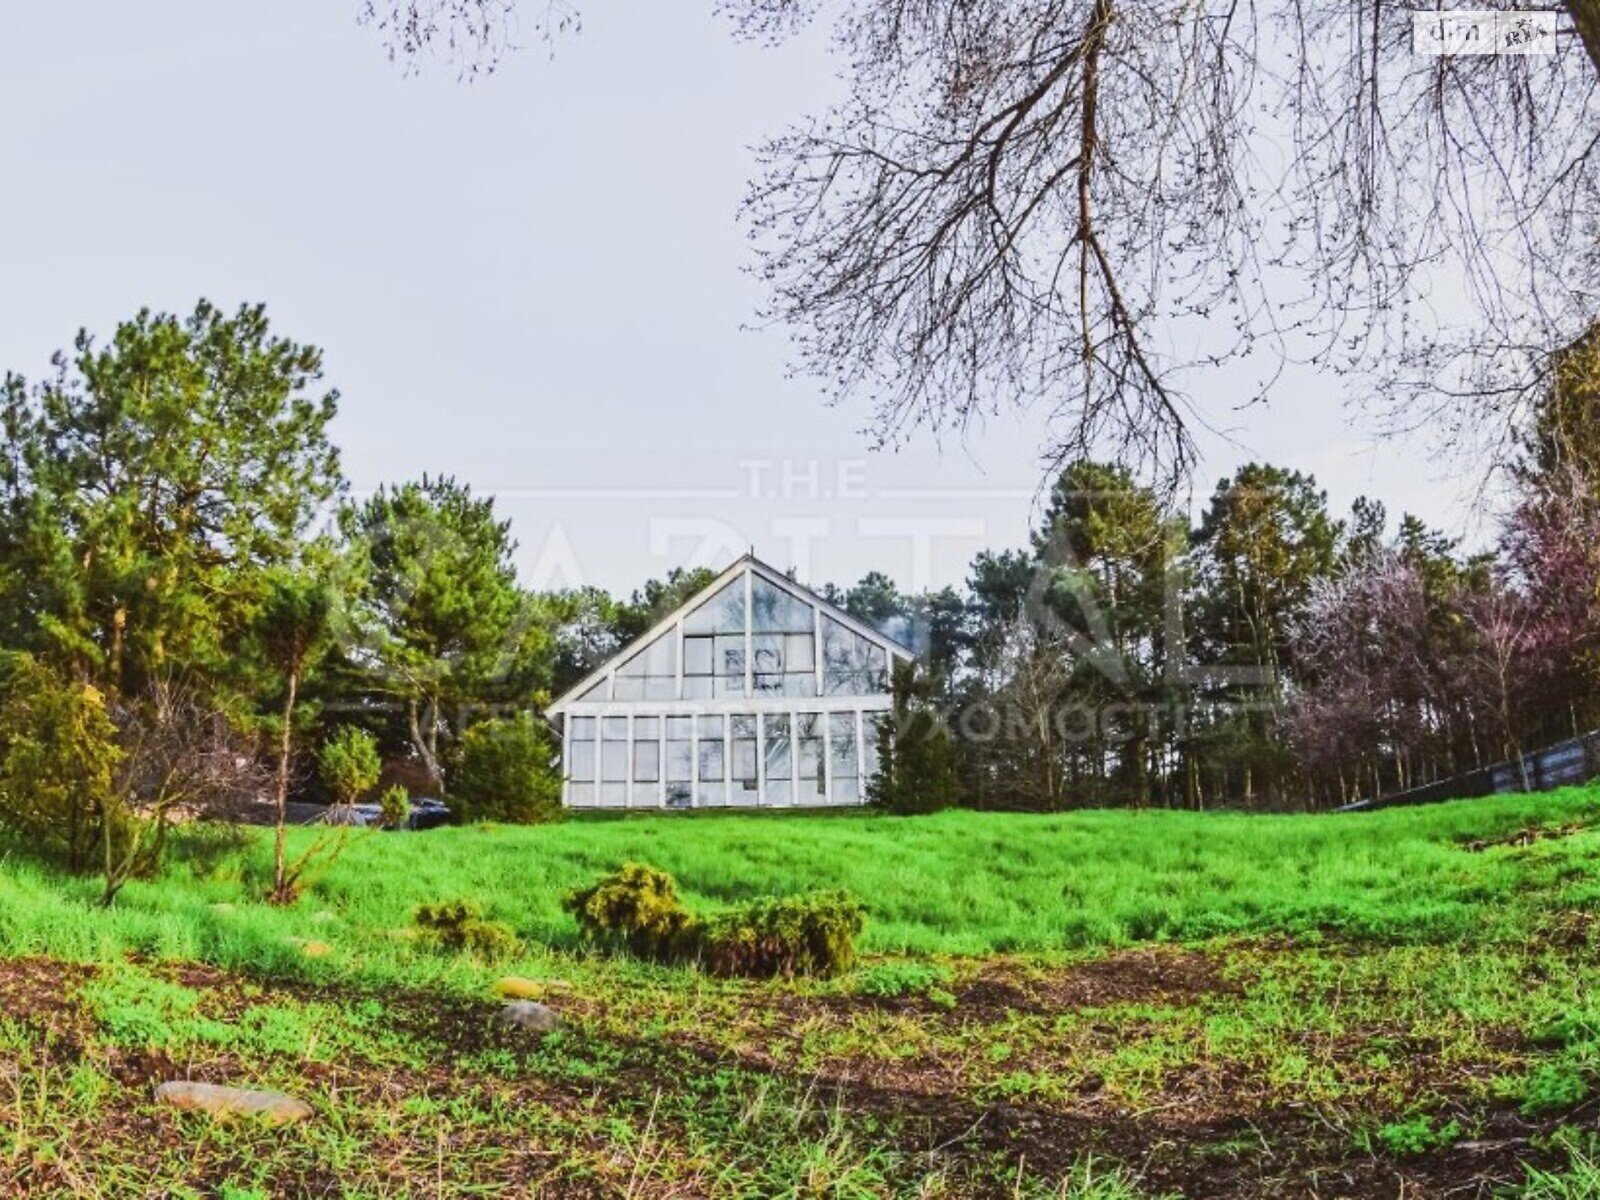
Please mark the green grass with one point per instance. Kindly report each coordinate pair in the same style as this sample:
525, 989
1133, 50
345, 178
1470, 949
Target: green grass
1386, 982
956, 883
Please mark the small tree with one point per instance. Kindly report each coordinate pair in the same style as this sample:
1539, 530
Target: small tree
293, 630
94, 785
916, 755
58, 761
178, 759
394, 807
349, 764
504, 772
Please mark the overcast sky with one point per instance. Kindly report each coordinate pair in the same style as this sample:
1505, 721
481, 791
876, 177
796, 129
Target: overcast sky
534, 282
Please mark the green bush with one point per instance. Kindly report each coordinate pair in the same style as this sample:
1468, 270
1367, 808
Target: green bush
349, 763
636, 909
459, 927
814, 934
58, 760
504, 772
394, 807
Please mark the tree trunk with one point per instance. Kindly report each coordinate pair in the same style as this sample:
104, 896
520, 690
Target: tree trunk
281, 797
426, 747
1585, 16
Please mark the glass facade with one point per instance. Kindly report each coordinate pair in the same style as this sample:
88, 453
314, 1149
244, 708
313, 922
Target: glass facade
758, 695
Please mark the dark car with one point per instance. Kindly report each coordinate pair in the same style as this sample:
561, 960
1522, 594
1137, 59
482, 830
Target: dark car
425, 814
428, 814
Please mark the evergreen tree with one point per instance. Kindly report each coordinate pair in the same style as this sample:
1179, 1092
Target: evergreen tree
917, 758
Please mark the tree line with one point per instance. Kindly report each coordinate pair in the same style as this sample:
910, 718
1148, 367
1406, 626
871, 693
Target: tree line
1269, 654
194, 609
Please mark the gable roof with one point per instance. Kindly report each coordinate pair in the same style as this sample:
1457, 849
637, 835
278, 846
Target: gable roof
773, 576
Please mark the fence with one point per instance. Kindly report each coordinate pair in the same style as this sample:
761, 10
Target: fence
1576, 760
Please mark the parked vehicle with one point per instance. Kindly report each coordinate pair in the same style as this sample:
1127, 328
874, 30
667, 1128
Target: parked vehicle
428, 814
425, 814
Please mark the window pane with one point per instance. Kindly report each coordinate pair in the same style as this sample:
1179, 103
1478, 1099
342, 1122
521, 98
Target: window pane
646, 727
582, 727
710, 760
680, 727
773, 610
613, 761
722, 613
680, 760
800, 685
744, 751
768, 651
580, 761
710, 727
813, 775
616, 727
697, 655
800, 652
646, 762
842, 744
780, 792
777, 751
852, 666
628, 687
580, 794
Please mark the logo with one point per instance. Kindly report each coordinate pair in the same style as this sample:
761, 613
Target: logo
1483, 32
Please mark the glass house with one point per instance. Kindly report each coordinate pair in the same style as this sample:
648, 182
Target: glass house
756, 693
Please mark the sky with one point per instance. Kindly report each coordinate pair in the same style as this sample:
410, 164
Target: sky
536, 282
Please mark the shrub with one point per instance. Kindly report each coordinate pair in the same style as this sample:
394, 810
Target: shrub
814, 934
394, 807
459, 927
58, 762
504, 772
349, 763
636, 909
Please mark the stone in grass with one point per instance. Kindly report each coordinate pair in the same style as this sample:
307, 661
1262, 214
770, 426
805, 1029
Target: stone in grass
275, 1108
529, 1016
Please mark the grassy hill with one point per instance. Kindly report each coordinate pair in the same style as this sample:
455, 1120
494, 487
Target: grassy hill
1096, 1004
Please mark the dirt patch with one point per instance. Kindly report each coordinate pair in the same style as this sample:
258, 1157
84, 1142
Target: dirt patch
1156, 976
1526, 837
1208, 1129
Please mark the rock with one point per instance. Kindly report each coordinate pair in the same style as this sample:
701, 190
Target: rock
275, 1108
529, 1016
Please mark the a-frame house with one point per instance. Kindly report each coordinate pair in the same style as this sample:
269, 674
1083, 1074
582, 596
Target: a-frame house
755, 693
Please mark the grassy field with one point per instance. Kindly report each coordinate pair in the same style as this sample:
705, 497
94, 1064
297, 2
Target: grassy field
1097, 1006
